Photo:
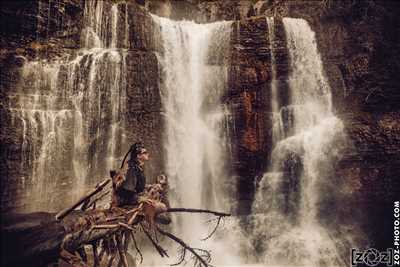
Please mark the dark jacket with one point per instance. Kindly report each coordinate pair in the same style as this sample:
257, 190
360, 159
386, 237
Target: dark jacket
135, 179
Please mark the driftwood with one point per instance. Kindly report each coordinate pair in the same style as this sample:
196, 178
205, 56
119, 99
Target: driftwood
42, 238
86, 197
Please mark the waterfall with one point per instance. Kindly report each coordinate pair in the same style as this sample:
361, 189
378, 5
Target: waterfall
72, 112
287, 228
194, 69
277, 125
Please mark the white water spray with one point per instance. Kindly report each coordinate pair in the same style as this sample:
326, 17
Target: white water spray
287, 228
72, 113
194, 78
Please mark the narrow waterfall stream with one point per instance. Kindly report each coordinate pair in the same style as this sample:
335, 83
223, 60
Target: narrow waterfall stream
194, 69
287, 229
72, 113
277, 124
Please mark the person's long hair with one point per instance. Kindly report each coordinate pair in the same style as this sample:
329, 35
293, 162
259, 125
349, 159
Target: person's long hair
134, 151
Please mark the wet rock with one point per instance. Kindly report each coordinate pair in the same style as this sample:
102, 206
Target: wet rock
50, 32
144, 118
41, 27
248, 84
358, 42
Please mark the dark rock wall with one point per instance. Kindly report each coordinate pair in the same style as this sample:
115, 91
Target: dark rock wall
201, 11
30, 29
49, 31
144, 118
249, 80
248, 97
359, 45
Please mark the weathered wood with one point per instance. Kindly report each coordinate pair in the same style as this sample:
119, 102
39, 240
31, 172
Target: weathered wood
184, 245
126, 226
111, 258
121, 250
40, 238
82, 254
37, 237
27, 238
99, 187
96, 260
104, 226
72, 259
220, 214
91, 202
159, 249
136, 247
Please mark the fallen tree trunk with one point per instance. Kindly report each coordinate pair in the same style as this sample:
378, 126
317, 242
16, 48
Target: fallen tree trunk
38, 237
42, 238
30, 238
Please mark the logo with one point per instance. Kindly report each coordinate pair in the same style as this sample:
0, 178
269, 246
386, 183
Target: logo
371, 257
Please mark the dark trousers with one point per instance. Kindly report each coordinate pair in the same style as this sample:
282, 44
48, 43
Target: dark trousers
126, 197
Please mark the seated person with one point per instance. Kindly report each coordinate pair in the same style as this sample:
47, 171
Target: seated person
130, 180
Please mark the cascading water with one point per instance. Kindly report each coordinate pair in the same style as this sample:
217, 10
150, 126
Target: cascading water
194, 79
72, 112
277, 127
287, 230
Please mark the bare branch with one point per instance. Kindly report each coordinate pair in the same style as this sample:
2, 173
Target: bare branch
96, 261
98, 198
103, 248
204, 262
205, 254
99, 187
127, 239
115, 218
135, 214
126, 226
182, 257
85, 204
216, 213
112, 251
122, 255
214, 230
159, 249
104, 226
82, 253
111, 258
71, 258
136, 247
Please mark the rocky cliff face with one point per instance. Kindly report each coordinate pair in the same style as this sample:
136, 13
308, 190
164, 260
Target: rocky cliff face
250, 74
358, 42
42, 60
31, 33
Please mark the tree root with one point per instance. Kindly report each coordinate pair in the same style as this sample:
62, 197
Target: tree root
203, 260
107, 231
